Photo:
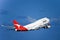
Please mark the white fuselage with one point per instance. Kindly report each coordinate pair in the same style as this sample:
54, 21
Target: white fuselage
37, 24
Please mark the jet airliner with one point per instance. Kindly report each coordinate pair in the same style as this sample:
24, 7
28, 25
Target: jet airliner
41, 23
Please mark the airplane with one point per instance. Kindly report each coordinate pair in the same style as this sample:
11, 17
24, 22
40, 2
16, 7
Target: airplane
41, 23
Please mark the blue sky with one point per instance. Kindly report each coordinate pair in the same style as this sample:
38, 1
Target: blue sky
21, 9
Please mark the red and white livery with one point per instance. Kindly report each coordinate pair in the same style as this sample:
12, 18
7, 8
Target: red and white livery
41, 23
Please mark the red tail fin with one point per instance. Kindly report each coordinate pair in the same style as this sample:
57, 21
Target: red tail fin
15, 22
18, 27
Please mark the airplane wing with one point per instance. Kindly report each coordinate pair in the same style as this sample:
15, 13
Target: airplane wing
30, 19
8, 27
